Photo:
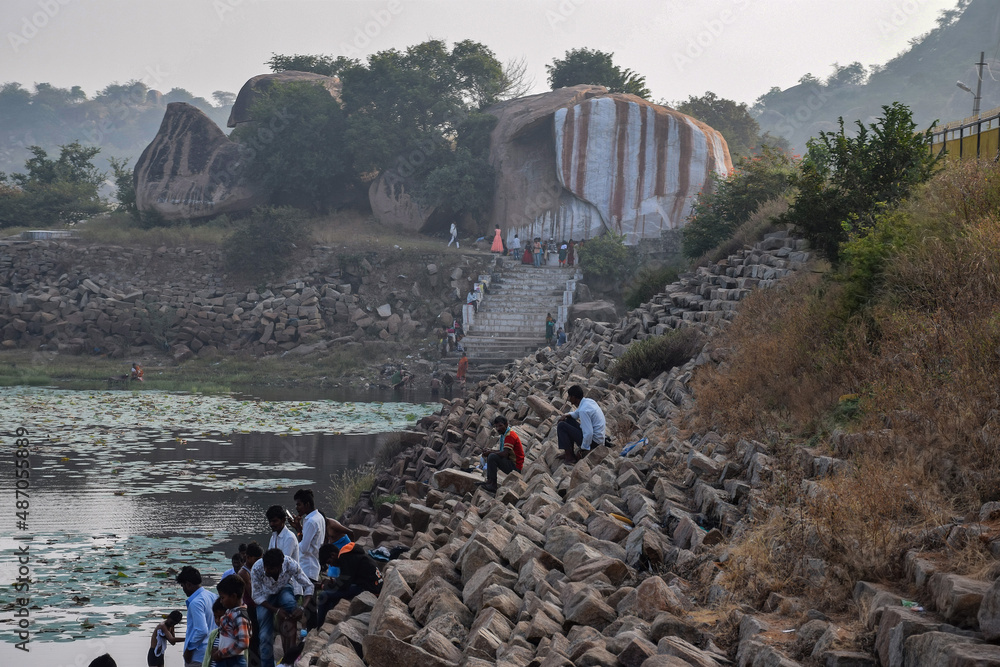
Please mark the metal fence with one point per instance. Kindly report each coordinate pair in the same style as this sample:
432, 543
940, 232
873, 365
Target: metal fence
976, 136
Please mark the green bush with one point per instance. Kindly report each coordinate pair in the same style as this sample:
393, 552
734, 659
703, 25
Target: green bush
64, 190
847, 181
649, 282
652, 356
730, 202
264, 243
605, 257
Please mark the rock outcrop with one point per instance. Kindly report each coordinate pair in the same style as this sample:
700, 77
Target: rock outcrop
575, 161
392, 204
191, 169
262, 83
523, 153
640, 165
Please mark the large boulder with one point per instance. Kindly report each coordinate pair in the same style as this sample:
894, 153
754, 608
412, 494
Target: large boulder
579, 160
598, 311
262, 83
393, 204
523, 153
191, 169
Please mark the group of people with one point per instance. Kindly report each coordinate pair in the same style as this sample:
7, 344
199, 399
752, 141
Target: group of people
309, 565
538, 252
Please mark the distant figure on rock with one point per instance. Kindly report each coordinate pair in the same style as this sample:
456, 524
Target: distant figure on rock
463, 368
529, 256
454, 236
508, 456
136, 374
550, 328
497, 246
584, 426
560, 337
515, 247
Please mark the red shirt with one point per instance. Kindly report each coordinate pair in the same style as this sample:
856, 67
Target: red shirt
512, 441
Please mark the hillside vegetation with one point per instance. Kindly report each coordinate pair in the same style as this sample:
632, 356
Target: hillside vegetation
889, 361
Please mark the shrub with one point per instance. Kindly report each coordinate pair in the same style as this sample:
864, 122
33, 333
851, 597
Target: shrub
605, 257
346, 487
263, 244
652, 356
847, 181
649, 282
730, 202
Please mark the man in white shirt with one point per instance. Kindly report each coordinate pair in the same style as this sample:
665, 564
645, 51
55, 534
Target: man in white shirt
584, 426
313, 537
272, 580
281, 537
454, 236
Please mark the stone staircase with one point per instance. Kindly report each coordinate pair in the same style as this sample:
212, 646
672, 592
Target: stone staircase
511, 319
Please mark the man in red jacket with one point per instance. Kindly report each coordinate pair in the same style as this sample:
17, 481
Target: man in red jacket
507, 457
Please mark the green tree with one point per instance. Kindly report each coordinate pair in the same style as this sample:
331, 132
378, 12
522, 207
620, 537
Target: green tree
590, 66
730, 119
302, 161
846, 181
730, 202
124, 186
404, 107
53, 191
317, 64
605, 257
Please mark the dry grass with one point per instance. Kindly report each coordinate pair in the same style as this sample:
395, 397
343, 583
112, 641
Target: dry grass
783, 366
346, 487
120, 229
923, 355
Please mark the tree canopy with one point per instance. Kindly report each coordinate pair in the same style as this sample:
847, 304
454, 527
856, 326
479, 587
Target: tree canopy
732, 120
50, 191
305, 163
414, 113
846, 181
590, 66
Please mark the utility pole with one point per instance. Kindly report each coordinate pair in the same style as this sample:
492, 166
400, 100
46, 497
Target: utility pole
979, 84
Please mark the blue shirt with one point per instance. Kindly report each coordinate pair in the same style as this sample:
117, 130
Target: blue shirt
591, 420
200, 622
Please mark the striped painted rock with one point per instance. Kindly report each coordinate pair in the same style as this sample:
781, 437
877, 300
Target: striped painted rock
579, 160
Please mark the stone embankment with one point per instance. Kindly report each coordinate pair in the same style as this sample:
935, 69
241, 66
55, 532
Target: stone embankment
75, 298
619, 560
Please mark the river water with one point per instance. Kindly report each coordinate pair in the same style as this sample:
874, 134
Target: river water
125, 488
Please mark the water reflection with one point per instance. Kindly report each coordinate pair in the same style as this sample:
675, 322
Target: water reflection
114, 512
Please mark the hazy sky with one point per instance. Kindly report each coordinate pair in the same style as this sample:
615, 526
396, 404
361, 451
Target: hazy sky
737, 48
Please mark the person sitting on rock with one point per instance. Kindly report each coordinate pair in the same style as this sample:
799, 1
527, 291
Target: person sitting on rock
351, 572
508, 456
136, 374
584, 426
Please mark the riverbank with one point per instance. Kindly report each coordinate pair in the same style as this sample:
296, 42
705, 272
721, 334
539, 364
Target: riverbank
648, 559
